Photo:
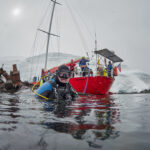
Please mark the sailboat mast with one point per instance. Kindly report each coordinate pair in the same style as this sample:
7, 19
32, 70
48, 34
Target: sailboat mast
96, 48
95, 42
49, 33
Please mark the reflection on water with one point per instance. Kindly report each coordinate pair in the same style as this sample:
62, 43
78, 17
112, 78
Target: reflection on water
9, 113
92, 117
88, 120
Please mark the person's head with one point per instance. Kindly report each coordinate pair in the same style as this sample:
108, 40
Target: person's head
109, 62
63, 74
83, 57
71, 60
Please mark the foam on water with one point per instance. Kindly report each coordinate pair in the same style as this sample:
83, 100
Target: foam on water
130, 81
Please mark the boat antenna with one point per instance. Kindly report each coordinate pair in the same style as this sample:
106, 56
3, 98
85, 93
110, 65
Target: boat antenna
49, 32
95, 42
96, 48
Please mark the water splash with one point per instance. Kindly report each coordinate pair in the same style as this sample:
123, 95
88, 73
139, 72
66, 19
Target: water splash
131, 81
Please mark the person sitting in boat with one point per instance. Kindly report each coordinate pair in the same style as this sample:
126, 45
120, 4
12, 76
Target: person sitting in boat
83, 65
109, 68
58, 87
100, 70
105, 74
71, 67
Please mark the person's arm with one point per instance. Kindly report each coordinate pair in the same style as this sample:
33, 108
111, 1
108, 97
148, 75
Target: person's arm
73, 93
87, 60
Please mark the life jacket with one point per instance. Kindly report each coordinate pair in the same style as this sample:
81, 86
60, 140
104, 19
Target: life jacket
41, 82
105, 73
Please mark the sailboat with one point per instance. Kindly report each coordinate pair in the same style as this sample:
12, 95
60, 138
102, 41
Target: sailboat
95, 84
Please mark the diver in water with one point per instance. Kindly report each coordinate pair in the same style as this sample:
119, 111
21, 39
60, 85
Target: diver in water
58, 87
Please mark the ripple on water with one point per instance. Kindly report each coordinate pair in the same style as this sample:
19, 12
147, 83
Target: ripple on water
86, 123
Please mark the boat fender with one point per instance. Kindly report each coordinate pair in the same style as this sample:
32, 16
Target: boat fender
115, 71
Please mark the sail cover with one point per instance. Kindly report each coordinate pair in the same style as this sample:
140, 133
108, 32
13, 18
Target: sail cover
109, 55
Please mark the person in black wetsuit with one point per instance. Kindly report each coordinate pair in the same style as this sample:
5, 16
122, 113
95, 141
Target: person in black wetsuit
58, 87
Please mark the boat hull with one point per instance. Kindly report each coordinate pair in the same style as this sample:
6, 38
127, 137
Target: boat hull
92, 85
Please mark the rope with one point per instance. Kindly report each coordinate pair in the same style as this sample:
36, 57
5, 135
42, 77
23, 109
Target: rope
86, 84
41, 43
44, 15
38, 66
58, 32
77, 26
82, 19
35, 49
36, 92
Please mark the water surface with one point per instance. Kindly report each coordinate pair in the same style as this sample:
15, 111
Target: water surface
90, 122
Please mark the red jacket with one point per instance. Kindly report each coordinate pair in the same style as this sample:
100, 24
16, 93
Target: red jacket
71, 66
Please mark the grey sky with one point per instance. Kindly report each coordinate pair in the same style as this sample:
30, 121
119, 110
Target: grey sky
120, 25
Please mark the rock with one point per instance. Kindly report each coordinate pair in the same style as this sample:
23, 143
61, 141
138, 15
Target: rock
145, 91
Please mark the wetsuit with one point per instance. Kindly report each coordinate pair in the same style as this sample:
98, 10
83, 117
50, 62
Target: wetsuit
54, 89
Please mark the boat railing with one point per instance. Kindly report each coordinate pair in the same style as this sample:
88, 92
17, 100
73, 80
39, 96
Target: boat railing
92, 72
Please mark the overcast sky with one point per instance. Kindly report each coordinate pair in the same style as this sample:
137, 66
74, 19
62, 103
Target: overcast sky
120, 25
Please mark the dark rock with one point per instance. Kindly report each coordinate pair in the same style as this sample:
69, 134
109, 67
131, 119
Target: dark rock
145, 91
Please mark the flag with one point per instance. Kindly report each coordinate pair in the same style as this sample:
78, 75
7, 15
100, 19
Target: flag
119, 67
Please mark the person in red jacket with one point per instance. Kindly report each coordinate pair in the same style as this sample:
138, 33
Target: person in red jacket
71, 67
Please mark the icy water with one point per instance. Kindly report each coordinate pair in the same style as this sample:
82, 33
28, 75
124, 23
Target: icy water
116, 122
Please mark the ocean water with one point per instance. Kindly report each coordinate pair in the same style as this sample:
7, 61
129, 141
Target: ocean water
116, 122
